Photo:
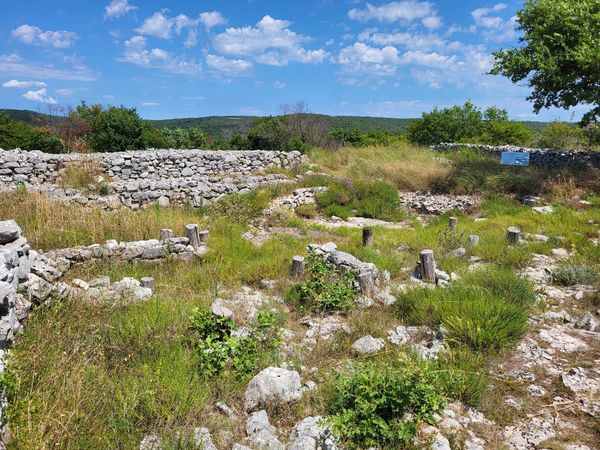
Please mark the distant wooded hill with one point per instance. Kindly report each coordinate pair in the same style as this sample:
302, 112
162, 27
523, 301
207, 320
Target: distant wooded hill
227, 126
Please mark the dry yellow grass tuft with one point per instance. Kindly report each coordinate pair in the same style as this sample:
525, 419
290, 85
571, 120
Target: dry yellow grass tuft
405, 166
49, 224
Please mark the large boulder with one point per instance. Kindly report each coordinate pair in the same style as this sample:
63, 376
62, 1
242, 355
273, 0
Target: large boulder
311, 433
261, 433
272, 387
9, 231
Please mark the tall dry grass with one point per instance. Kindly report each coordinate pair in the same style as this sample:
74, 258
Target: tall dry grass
405, 166
49, 224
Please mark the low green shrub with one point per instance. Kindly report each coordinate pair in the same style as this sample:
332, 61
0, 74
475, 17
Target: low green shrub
568, 275
380, 405
326, 289
463, 375
308, 211
373, 199
486, 311
218, 348
241, 208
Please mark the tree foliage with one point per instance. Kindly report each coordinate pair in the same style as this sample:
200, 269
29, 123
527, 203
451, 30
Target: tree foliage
467, 123
560, 58
16, 134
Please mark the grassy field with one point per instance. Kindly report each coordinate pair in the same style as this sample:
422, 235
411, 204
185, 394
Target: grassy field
94, 376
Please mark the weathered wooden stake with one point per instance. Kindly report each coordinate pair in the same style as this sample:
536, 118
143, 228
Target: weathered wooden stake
367, 237
298, 266
203, 235
147, 282
513, 235
427, 266
193, 235
366, 283
166, 233
452, 221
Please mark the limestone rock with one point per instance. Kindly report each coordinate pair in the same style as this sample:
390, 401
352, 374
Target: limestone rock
203, 439
368, 344
272, 387
9, 232
261, 433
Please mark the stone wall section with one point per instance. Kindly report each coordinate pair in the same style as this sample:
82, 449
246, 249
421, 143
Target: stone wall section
35, 167
537, 156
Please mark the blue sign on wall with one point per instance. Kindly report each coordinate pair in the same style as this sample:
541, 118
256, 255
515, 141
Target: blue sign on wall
515, 158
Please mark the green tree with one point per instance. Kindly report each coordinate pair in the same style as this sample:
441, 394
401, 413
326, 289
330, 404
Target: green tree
17, 134
446, 125
560, 58
117, 129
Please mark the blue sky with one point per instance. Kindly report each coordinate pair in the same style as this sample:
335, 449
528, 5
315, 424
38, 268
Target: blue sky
247, 57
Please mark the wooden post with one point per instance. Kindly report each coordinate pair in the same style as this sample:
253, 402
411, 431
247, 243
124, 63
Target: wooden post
427, 266
513, 235
452, 221
365, 283
193, 235
473, 240
203, 235
367, 237
147, 282
298, 266
166, 233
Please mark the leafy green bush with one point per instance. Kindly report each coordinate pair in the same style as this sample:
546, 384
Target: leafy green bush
561, 136
326, 289
185, 138
117, 129
467, 124
376, 405
357, 138
219, 349
374, 199
568, 275
17, 134
241, 208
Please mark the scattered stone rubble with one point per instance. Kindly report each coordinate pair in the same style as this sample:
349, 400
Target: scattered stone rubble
437, 204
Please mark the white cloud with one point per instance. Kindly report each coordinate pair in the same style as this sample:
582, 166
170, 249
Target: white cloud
432, 22
39, 96
407, 10
228, 66
279, 85
157, 58
23, 84
212, 19
270, 42
14, 65
162, 26
495, 27
118, 8
158, 25
361, 57
33, 35
412, 41
150, 104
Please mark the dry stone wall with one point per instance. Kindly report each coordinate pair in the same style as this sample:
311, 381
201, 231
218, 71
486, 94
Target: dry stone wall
537, 156
140, 178
35, 167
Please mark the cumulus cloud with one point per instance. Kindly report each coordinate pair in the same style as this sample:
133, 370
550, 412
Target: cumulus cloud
39, 96
17, 66
29, 34
118, 8
495, 27
412, 41
162, 26
23, 84
407, 10
211, 19
157, 58
228, 66
270, 42
361, 57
